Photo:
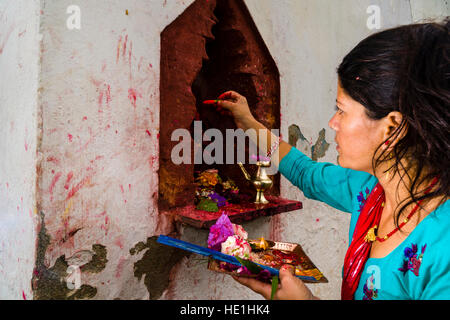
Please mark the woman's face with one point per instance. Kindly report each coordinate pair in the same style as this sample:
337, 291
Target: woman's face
357, 135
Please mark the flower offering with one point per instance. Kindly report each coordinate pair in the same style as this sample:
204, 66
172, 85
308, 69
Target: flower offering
232, 239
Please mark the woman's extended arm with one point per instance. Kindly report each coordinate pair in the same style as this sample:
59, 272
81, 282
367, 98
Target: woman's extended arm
326, 182
264, 139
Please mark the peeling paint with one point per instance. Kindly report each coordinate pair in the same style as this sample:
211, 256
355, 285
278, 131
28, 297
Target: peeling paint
319, 149
50, 284
298, 140
156, 264
98, 262
295, 134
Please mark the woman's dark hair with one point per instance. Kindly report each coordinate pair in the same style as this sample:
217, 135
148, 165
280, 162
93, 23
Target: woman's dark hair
407, 69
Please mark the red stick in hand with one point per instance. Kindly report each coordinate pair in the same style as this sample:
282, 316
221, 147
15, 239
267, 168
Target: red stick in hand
213, 102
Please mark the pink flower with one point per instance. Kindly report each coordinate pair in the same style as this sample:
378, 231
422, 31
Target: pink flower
236, 246
239, 231
219, 232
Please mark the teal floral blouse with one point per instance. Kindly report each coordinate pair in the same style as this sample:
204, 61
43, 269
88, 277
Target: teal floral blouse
419, 268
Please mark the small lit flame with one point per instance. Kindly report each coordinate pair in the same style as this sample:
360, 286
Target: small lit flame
263, 243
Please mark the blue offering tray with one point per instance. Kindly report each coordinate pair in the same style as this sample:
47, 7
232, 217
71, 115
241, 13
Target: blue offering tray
216, 255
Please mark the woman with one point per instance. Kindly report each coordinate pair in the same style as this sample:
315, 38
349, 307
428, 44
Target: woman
393, 136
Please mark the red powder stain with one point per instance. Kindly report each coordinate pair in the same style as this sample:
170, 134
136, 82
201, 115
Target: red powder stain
101, 214
275, 228
121, 188
26, 144
97, 83
129, 186
157, 136
69, 177
54, 181
118, 49
150, 65
148, 132
108, 94
52, 185
317, 220
84, 118
132, 95
23, 295
119, 242
120, 266
77, 187
100, 100
152, 160
50, 131
70, 137
125, 46
105, 225
5, 39
96, 158
87, 142
129, 55
53, 159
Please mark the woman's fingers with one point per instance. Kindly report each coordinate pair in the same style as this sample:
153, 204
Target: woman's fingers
226, 104
262, 288
292, 288
227, 99
220, 105
230, 95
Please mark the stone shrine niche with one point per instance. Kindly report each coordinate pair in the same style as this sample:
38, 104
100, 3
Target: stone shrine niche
212, 47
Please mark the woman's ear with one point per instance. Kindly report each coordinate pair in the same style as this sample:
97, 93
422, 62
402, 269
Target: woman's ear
395, 129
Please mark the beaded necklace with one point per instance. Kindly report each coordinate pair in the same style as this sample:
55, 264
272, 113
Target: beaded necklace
371, 234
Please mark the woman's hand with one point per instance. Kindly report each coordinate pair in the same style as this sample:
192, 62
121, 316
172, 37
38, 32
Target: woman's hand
237, 105
290, 287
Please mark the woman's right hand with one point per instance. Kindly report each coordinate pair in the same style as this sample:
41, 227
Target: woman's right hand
237, 105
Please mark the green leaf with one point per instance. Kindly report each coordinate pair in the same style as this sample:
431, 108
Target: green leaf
250, 265
274, 287
207, 205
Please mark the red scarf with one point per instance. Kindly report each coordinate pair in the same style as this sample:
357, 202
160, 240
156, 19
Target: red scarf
358, 252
